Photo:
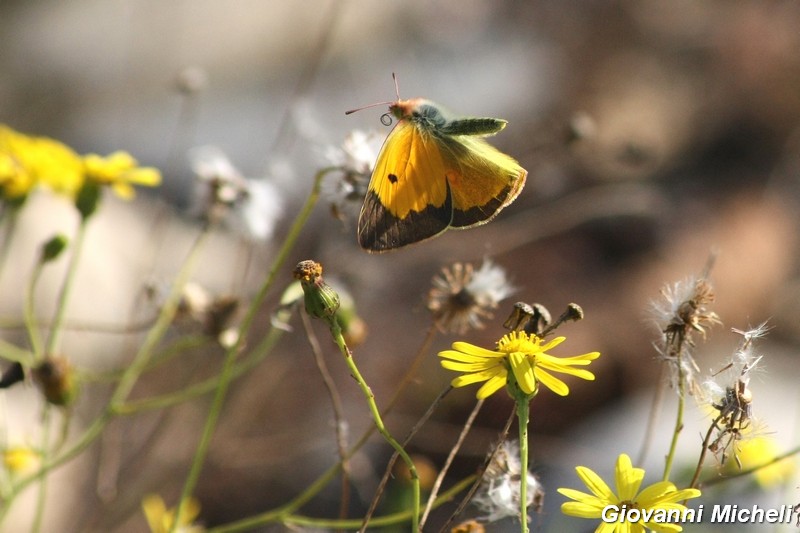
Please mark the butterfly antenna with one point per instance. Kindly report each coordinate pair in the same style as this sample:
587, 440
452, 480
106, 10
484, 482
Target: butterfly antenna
396, 90
367, 107
396, 86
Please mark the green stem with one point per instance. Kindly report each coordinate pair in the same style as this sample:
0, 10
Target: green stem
284, 516
41, 496
34, 335
128, 379
336, 331
227, 372
678, 423
66, 289
523, 415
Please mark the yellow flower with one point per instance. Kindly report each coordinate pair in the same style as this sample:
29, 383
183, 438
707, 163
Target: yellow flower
756, 451
521, 353
160, 519
656, 506
120, 171
21, 459
27, 161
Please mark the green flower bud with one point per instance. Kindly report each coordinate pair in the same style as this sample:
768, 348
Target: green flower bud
53, 248
88, 198
321, 301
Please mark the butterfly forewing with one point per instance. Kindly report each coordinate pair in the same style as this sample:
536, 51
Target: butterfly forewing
404, 204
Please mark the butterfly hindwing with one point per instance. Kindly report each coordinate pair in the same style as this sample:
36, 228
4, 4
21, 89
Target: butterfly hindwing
482, 179
409, 198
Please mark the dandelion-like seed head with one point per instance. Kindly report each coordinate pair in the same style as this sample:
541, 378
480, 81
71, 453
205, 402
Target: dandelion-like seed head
222, 189
729, 393
355, 159
462, 297
499, 492
682, 311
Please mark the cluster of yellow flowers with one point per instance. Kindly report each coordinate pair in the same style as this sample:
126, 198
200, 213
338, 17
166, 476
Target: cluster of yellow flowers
28, 162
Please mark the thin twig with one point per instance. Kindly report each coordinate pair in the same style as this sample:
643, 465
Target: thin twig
446, 467
338, 412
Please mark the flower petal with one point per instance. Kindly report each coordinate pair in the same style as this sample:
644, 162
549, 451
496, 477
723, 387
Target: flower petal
595, 484
551, 382
628, 478
490, 387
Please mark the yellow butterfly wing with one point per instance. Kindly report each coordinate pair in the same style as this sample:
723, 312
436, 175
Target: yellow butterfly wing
482, 179
408, 199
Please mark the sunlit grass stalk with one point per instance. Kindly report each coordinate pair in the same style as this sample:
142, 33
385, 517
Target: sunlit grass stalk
29, 313
8, 218
128, 379
41, 496
673, 446
66, 288
449, 461
227, 372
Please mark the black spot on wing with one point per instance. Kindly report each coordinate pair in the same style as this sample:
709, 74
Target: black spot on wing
392, 178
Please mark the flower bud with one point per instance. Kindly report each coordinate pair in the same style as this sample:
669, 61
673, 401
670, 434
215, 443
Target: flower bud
57, 379
321, 301
53, 248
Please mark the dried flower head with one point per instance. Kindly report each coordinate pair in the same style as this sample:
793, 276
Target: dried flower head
355, 159
462, 297
682, 311
256, 203
728, 392
499, 493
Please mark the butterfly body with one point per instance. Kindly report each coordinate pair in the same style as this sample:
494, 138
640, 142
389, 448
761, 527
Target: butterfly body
435, 172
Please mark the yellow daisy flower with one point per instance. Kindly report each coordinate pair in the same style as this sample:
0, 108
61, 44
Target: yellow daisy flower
160, 519
524, 355
654, 505
120, 171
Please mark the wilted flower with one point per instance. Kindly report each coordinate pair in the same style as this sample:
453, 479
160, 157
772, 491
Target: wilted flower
257, 204
499, 492
462, 297
661, 499
519, 353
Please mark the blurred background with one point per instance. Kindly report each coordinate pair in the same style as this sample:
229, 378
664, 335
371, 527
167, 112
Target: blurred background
656, 134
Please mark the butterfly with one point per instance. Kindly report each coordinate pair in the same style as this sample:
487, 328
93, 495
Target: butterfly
435, 172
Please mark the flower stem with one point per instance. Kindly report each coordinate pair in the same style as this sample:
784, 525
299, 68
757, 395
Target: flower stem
336, 331
678, 422
66, 289
523, 414
227, 373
